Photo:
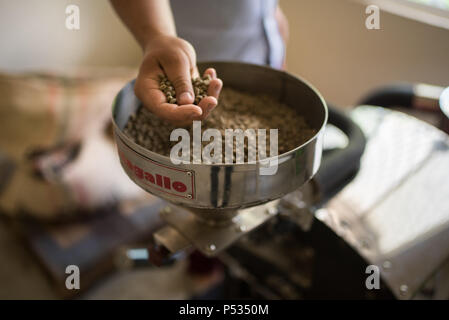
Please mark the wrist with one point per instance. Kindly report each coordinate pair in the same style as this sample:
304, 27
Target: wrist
150, 37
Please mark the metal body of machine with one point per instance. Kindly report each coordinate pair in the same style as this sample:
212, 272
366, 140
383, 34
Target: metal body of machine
393, 215
317, 230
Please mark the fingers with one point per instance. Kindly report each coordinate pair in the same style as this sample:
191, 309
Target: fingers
195, 73
177, 68
211, 72
147, 90
215, 85
146, 86
207, 104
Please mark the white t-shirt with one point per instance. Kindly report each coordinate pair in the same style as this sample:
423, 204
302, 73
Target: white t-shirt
231, 30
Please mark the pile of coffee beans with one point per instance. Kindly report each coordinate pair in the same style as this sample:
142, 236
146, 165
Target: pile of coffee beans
200, 86
235, 110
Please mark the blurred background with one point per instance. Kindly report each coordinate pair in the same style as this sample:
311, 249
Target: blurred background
328, 39
50, 74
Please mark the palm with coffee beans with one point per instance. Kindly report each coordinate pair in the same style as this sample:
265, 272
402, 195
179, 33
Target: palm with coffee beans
200, 88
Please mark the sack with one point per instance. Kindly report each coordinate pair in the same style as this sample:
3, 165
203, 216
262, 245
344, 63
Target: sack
44, 110
54, 129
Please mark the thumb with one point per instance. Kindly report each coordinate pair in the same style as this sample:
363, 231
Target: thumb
178, 72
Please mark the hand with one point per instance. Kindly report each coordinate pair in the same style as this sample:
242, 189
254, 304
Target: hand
176, 58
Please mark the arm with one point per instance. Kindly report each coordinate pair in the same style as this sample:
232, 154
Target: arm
151, 22
283, 29
146, 19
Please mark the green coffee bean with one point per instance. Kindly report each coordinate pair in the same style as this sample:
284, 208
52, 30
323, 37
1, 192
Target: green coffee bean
200, 86
235, 110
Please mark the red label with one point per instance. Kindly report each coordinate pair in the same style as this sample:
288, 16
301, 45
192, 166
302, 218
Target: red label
160, 178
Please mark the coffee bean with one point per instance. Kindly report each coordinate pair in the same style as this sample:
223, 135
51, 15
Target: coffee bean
200, 86
235, 110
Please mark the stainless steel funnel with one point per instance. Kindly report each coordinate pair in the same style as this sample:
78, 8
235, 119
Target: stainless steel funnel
214, 193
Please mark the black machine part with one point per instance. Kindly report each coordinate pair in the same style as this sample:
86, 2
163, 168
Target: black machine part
339, 166
417, 96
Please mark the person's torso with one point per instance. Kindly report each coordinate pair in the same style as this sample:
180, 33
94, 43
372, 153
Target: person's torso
237, 30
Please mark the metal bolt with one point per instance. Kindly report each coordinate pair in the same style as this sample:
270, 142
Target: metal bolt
321, 214
386, 264
189, 196
344, 224
211, 247
242, 228
364, 244
271, 211
403, 289
166, 210
301, 204
189, 173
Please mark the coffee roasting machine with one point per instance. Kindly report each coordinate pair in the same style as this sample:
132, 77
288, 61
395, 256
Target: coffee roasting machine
312, 229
